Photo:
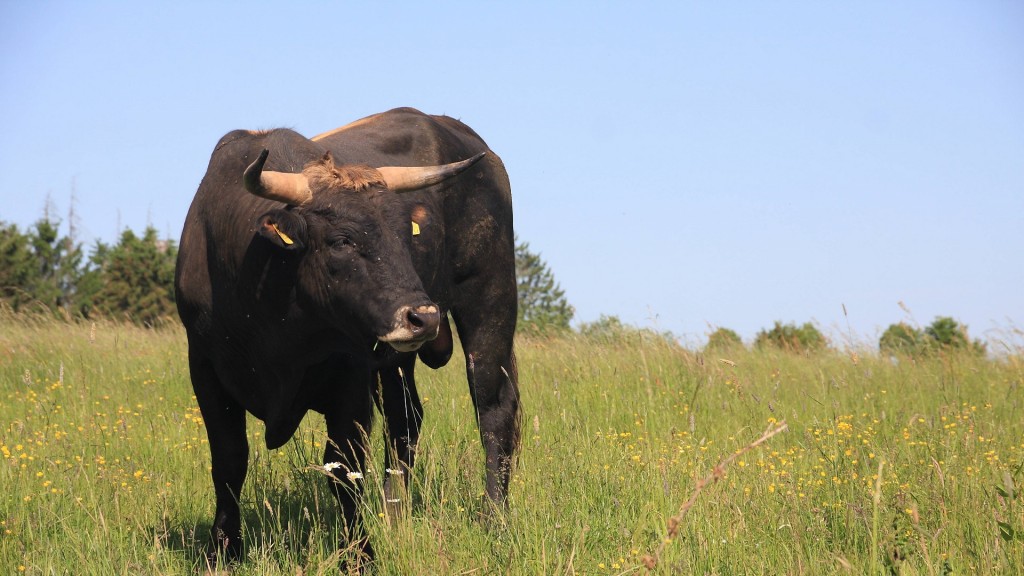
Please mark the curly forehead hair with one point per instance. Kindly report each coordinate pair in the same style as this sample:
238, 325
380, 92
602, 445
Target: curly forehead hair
323, 174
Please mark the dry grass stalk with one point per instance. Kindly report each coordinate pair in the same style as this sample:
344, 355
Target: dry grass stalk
650, 561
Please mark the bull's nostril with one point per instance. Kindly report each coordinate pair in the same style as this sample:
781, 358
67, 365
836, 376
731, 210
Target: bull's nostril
422, 321
416, 321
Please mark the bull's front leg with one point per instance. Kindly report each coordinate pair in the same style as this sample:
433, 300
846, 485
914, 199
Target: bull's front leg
403, 412
403, 417
229, 452
348, 425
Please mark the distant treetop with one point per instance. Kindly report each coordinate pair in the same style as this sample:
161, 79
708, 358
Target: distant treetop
944, 334
542, 302
792, 338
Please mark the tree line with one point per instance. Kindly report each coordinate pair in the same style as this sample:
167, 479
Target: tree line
133, 279
42, 270
543, 308
944, 334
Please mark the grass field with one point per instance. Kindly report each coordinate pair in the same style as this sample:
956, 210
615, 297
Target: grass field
886, 467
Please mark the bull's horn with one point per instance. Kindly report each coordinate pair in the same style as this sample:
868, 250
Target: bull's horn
401, 179
292, 189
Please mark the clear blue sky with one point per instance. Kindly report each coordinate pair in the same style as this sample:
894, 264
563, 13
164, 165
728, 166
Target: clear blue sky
680, 165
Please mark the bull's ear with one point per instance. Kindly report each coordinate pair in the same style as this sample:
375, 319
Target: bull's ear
284, 229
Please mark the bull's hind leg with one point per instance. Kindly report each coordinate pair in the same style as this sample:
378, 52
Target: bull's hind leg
229, 451
403, 415
485, 315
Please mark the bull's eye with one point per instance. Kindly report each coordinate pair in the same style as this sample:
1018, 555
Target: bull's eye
342, 242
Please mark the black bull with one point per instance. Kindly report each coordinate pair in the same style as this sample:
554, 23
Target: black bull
290, 277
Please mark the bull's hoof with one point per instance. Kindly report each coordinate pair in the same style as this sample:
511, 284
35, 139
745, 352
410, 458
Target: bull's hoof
361, 559
394, 510
223, 552
396, 499
492, 514
220, 561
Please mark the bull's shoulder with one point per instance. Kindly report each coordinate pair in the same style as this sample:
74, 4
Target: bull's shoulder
233, 137
289, 149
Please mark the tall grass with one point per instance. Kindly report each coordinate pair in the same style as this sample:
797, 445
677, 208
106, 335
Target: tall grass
886, 467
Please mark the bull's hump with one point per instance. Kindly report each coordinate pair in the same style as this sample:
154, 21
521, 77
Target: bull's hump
399, 115
348, 126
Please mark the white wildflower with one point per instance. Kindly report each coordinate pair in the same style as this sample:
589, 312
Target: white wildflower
394, 471
331, 466
353, 476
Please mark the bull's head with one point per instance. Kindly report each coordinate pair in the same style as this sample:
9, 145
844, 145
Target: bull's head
344, 222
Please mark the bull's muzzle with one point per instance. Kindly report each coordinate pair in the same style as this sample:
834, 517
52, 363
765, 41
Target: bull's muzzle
413, 326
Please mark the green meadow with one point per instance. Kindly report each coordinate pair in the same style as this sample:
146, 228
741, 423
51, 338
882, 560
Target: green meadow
634, 460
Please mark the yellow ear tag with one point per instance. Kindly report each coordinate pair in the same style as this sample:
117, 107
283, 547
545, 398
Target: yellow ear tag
284, 237
415, 229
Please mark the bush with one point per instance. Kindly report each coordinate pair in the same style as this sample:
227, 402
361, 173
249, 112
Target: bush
943, 335
723, 339
611, 329
948, 334
902, 338
791, 338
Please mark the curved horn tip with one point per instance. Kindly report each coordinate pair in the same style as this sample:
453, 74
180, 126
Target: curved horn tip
251, 176
261, 159
292, 189
473, 159
458, 167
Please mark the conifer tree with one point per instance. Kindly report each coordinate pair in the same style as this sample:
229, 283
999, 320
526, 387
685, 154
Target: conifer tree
38, 266
542, 302
58, 260
17, 267
135, 278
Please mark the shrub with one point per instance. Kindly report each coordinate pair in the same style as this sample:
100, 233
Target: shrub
791, 338
944, 334
948, 334
611, 329
903, 339
723, 339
